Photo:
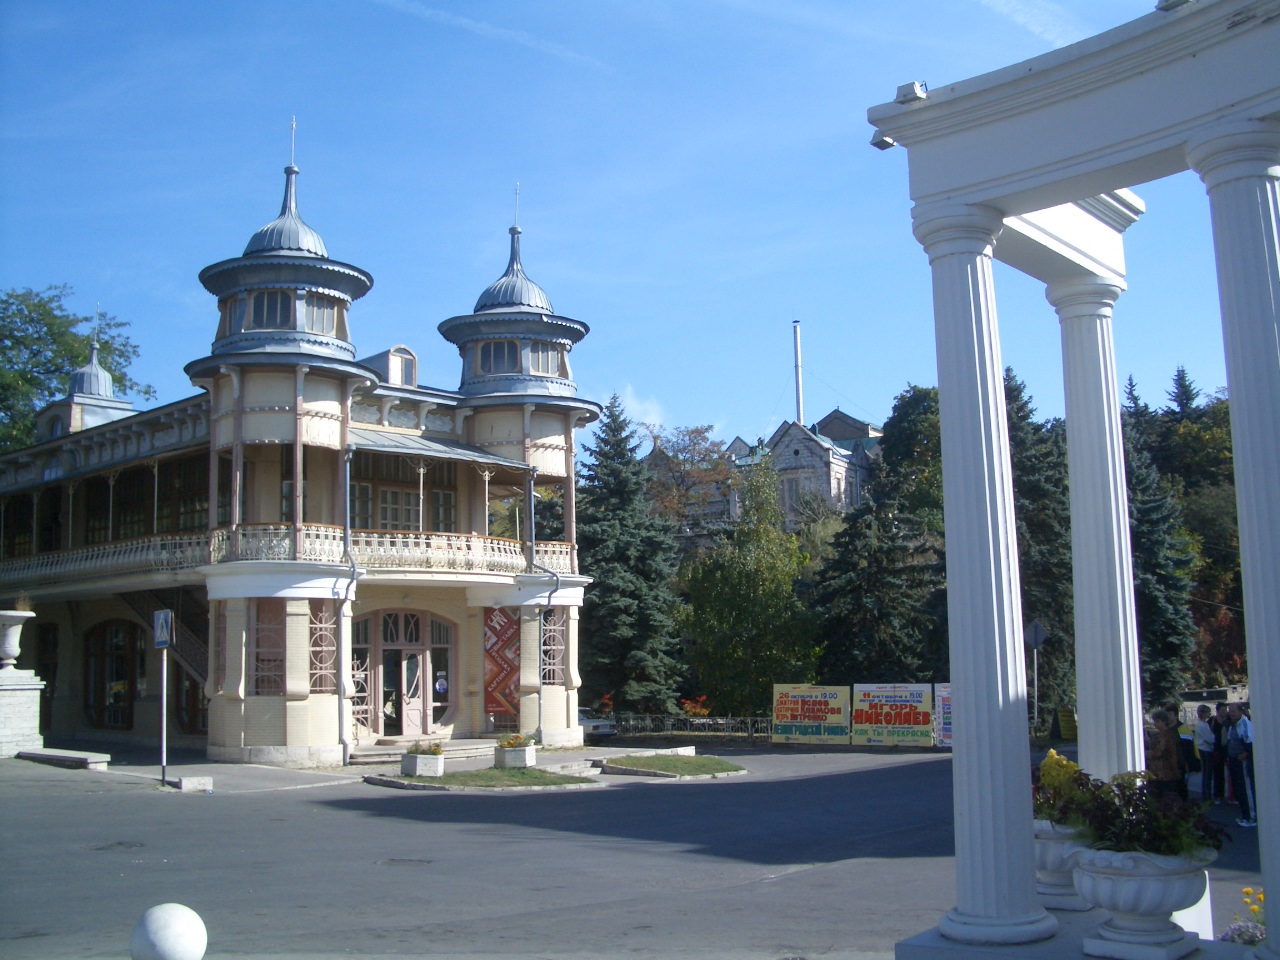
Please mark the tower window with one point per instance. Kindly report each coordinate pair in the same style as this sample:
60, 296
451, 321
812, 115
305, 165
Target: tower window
324, 315
499, 356
272, 310
544, 358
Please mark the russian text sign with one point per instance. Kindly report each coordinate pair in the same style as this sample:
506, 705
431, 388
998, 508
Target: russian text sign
892, 714
807, 714
942, 714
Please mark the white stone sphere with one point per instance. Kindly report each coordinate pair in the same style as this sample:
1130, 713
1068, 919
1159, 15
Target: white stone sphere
169, 931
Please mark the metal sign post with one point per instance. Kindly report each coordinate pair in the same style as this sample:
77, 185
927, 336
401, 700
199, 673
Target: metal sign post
162, 627
1036, 636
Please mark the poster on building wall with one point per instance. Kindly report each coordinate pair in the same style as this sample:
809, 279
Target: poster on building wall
809, 714
942, 715
501, 660
892, 714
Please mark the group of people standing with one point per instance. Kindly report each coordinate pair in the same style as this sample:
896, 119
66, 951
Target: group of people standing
1219, 747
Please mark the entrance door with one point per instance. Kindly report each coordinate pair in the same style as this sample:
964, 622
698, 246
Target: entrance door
402, 704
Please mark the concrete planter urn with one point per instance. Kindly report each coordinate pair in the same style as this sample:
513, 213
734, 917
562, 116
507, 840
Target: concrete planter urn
510, 758
11, 622
1055, 849
1141, 891
422, 765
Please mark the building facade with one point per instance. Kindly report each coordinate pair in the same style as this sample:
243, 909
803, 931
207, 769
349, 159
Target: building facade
820, 468
317, 523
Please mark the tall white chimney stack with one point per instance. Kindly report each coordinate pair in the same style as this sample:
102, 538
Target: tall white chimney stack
795, 328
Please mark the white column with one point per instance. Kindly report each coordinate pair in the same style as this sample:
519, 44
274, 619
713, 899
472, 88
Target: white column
1240, 166
1108, 678
995, 868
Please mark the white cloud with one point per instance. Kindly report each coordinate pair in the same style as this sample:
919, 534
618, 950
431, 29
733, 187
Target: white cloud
1043, 18
480, 28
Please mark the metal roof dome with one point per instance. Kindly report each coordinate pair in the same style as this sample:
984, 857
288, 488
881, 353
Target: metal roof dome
93, 380
513, 288
287, 234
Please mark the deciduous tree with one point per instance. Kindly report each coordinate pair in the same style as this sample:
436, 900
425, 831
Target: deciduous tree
746, 628
42, 345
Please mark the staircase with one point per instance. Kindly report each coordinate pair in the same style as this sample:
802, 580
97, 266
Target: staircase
190, 624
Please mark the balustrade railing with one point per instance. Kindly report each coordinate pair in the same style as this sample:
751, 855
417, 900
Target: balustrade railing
321, 543
165, 552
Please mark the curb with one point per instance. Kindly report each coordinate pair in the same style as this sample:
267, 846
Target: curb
397, 784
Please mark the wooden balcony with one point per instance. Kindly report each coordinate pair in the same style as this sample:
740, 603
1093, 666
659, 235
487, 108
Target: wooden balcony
318, 543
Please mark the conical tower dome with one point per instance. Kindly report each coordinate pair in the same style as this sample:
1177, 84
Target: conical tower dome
93, 380
513, 289
287, 234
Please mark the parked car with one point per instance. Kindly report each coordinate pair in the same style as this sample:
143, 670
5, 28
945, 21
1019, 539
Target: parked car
594, 726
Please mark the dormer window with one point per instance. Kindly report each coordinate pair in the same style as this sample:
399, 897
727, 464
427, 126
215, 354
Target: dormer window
325, 315
499, 356
402, 367
271, 310
544, 359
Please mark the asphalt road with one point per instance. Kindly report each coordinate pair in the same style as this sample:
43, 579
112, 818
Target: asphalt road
812, 854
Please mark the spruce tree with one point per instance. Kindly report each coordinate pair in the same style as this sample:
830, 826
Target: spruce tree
1162, 563
628, 638
1042, 506
882, 599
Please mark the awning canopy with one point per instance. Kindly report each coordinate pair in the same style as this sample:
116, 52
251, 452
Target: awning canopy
411, 445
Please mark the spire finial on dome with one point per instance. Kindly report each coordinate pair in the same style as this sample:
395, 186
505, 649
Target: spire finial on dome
515, 221
293, 137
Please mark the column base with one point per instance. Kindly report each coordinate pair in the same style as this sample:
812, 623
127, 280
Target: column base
994, 930
1120, 950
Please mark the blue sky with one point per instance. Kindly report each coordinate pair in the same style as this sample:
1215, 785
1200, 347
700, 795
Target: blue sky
695, 175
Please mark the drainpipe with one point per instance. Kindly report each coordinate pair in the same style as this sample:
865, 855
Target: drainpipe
343, 654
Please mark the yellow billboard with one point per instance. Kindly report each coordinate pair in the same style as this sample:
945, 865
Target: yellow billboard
892, 714
803, 713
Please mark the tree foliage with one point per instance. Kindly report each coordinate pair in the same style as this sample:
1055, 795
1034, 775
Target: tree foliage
1042, 506
745, 625
1189, 444
882, 597
42, 346
1162, 562
689, 476
628, 637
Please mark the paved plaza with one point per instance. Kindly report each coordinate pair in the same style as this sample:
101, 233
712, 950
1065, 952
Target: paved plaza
813, 853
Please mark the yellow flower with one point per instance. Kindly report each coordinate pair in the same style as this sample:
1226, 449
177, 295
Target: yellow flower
1247, 901
1247, 891
1255, 908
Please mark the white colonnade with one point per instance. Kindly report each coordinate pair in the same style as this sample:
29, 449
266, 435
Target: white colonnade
992, 161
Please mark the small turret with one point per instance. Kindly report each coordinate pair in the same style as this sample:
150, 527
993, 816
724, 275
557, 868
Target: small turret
283, 300
513, 344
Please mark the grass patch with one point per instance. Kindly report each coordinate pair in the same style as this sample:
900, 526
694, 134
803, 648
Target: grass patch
492, 777
681, 766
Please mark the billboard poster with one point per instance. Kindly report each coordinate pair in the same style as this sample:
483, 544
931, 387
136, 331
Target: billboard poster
892, 714
807, 714
942, 715
501, 660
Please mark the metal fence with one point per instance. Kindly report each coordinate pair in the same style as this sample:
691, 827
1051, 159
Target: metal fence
725, 727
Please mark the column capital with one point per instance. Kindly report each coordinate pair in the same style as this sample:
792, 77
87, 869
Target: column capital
944, 229
1086, 296
1234, 150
